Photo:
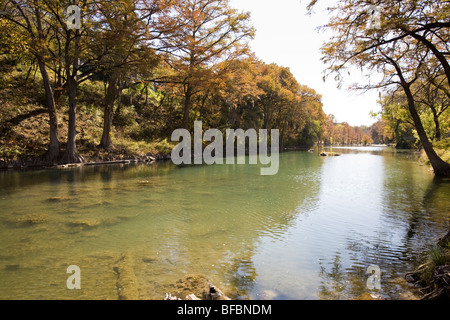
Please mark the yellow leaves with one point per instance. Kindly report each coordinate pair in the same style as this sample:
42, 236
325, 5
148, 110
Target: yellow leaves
12, 40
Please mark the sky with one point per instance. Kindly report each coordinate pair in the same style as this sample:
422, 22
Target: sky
287, 36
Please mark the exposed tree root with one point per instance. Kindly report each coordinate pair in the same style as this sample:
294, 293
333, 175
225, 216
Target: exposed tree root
434, 281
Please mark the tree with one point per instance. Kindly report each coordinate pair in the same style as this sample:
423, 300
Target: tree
33, 18
294, 109
67, 57
434, 94
409, 33
230, 100
124, 47
202, 34
72, 52
366, 140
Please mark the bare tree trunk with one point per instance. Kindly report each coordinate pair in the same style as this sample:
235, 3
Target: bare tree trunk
54, 146
187, 106
110, 96
70, 155
440, 167
437, 134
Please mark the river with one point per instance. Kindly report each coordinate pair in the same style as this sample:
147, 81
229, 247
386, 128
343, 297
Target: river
309, 232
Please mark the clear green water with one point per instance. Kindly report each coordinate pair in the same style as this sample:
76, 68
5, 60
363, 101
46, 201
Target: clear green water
309, 232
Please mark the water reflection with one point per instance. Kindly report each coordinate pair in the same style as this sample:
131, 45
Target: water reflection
392, 229
184, 220
308, 232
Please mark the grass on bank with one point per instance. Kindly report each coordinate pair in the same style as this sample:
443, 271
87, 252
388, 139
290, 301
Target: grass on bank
430, 276
442, 149
435, 257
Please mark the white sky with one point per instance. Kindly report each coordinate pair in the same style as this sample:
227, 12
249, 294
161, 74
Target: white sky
287, 36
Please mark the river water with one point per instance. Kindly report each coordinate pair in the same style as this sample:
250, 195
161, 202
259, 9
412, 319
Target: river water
309, 232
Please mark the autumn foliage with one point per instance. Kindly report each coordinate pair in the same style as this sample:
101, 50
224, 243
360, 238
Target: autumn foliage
162, 65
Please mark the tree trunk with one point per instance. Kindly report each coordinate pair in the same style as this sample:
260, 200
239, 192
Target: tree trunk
110, 97
438, 54
283, 130
70, 155
120, 87
187, 106
437, 134
440, 167
54, 146
396, 134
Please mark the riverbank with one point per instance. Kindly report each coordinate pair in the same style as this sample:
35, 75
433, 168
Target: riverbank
41, 163
122, 206
432, 278
442, 149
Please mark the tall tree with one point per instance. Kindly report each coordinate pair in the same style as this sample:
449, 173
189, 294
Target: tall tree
435, 95
33, 17
203, 33
124, 45
400, 44
69, 37
72, 51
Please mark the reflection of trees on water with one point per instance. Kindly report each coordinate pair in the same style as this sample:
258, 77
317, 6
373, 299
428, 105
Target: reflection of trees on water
333, 282
437, 199
202, 219
340, 283
235, 207
421, 209
13, 181
413, 215
243, 275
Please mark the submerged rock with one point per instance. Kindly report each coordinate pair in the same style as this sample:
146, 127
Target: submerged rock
148, 259
27, 221
88, 223
55, 199
194, 286
329, 154
127, 284
85, 223
33, 219
12, 267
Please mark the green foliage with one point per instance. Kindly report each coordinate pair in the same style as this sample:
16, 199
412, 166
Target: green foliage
443, 144
11, 152
164, 147
127, 118
437, 256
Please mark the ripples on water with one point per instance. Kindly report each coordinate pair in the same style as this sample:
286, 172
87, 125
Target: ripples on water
309, 232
